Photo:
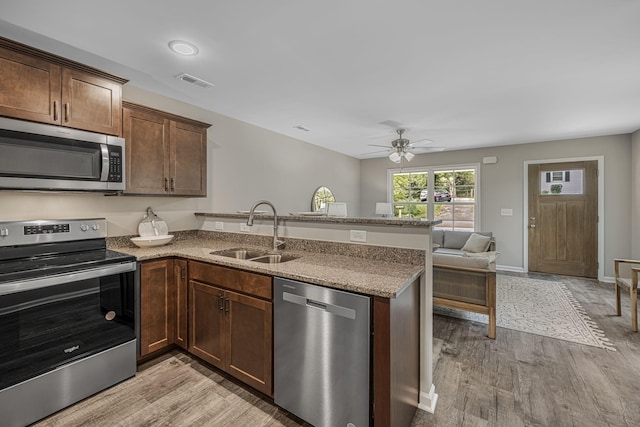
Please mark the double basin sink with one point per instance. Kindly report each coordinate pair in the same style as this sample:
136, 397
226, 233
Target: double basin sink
255, 255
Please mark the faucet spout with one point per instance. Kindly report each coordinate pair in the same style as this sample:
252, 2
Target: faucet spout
276, 242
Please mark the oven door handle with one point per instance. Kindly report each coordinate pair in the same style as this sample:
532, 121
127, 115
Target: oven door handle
58, 279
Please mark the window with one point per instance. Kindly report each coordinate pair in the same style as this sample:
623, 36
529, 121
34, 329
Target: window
562, 182
453, 199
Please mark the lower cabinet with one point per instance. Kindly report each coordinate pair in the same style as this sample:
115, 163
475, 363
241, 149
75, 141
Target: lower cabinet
229, 329
182, 302
157, 306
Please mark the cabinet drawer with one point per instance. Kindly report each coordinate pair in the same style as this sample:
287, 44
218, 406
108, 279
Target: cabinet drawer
230, 278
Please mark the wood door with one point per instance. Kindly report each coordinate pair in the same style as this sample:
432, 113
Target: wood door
207, 330
91, 103
29, 88
147, 152
250, 341
563, 218
157, 301
180, 274
188, 167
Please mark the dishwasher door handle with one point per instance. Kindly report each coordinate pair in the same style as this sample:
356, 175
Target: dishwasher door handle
329, 308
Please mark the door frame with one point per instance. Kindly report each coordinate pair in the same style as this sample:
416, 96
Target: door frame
601, 220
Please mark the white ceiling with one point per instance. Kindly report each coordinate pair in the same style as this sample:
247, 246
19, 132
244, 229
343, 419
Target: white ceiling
464, 73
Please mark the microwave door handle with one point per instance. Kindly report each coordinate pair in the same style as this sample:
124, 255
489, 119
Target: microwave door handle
59, 279
105, 163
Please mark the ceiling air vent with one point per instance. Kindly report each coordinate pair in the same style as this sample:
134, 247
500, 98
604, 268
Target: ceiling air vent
194, 80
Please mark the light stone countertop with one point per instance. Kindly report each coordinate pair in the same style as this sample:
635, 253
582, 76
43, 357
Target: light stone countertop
395, 222
349, 273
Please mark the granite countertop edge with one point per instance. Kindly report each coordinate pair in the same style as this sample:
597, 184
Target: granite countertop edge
360, 275
397, 222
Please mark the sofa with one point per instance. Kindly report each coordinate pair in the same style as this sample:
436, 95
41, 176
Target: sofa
464, 272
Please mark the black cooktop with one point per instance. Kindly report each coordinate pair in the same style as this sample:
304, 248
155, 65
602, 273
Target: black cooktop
29, 262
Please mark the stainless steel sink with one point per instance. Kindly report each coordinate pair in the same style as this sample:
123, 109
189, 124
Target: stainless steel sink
274, 258
257, 255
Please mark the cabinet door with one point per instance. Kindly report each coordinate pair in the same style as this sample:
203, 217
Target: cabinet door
147, 152
250, 341
91, 103
188, 160
207, 323
180, 273
157, 302
29, 88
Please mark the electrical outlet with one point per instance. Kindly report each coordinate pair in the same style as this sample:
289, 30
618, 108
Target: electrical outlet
358, 236
244, 227
219, 225
506, 212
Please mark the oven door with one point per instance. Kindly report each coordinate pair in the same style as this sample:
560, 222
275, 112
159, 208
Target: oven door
51, 321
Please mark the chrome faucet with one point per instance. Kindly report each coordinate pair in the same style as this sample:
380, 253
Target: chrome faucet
276, 242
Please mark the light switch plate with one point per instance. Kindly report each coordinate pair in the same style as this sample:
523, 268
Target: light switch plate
219, 225
358, 236
506, 212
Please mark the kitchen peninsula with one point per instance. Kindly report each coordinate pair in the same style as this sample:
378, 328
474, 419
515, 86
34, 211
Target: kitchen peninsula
394, 278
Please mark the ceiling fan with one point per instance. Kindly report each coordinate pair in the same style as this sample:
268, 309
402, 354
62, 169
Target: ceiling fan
402, 148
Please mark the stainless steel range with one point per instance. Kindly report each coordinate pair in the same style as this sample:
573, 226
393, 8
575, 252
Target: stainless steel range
67, 316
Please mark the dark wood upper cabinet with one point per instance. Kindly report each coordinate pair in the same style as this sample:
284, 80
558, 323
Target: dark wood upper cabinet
166, 154
41, 87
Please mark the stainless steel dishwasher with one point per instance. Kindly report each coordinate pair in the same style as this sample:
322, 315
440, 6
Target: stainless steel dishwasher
321, 354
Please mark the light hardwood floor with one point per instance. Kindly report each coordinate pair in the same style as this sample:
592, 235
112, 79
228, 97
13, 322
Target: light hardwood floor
519, 379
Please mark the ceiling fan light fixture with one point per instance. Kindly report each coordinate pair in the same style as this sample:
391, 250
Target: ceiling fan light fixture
409, 156
395, 157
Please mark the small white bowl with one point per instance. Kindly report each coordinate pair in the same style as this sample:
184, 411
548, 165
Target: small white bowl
150, 241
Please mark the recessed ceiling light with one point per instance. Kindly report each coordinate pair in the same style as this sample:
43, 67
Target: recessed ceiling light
183, 48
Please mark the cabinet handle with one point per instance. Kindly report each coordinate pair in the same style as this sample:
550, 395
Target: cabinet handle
221, 302
226, 304
173, 184
166, 184
67, 109
55, 111
182, 275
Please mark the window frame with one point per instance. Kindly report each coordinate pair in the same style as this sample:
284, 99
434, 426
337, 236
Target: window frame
430, 171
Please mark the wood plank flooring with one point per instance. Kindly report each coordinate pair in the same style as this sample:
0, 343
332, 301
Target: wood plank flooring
519, 379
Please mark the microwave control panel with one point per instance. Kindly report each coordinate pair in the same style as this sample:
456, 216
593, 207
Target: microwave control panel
115, 164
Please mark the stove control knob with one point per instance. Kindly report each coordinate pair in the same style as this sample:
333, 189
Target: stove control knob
4, 232
84, 227
95, 227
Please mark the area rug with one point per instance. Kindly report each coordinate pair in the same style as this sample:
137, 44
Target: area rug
538, 307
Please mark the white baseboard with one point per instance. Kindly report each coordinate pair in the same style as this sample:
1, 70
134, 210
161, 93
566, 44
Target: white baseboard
608, 279
510, 268
428, 400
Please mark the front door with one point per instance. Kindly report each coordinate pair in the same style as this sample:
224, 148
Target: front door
563, 218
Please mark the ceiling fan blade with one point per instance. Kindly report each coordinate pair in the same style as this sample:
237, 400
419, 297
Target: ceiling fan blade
374, 152
376, 145
427, 149
422, 141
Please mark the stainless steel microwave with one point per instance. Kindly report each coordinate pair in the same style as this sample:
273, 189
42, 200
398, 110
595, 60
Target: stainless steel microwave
35, 156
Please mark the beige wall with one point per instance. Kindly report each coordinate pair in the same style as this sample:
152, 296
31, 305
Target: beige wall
245, 164
501, 186
635, 195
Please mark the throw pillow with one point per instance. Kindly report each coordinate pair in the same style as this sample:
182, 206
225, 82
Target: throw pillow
477, 243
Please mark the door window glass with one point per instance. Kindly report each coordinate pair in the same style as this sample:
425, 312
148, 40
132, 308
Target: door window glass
562, 182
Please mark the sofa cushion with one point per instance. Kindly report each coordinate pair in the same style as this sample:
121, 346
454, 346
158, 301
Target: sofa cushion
445, 260
491, 256
437, 237
448, 251
455, 239
477, 243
